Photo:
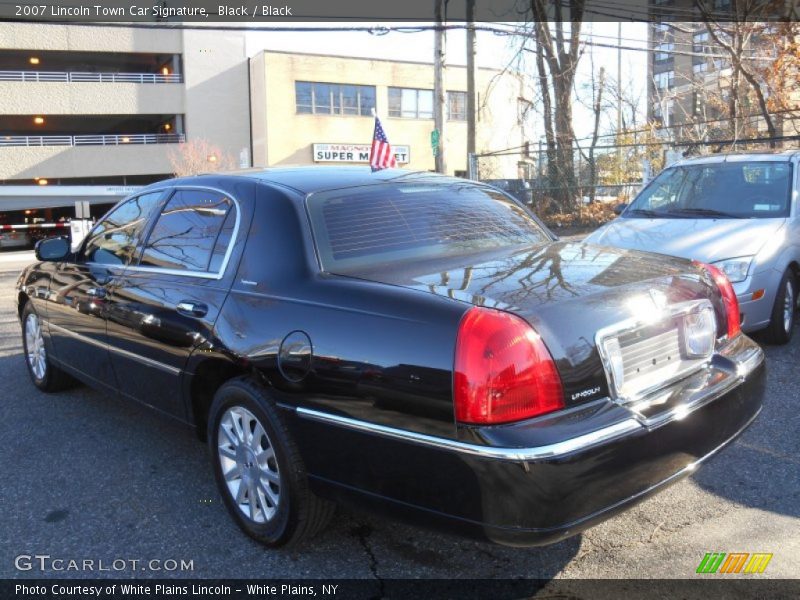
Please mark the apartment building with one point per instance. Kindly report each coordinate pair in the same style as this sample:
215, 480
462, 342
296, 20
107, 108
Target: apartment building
103, 106
316, 109
690, 74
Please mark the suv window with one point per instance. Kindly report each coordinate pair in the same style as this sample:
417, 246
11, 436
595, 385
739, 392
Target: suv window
114, 239
187, 231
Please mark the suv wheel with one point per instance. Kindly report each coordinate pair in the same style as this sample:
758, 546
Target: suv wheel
781, 325
258, 468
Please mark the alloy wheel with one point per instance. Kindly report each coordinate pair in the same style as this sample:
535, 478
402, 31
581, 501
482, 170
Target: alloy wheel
248, 463
34, 343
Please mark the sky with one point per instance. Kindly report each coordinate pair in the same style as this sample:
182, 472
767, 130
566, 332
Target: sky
493, 51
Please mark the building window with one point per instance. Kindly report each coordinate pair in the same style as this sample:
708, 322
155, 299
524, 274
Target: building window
669, 113
457, 106
657, 111
334, 99
664, 51
410, 103
665, 80
700, 67
700, 42
697, 104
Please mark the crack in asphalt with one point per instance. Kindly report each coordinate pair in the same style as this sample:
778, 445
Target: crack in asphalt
362, 532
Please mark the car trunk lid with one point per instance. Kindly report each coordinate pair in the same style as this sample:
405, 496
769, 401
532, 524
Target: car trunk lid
567, 291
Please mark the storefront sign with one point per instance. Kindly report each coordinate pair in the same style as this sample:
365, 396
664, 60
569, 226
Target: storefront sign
354, 153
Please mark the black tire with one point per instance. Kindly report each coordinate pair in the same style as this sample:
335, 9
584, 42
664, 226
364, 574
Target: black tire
777, 332
298, 514
53, 379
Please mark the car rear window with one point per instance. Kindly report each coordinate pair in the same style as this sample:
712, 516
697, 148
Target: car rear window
370, 225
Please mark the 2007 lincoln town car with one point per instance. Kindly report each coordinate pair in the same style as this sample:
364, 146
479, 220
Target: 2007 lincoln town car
400, 340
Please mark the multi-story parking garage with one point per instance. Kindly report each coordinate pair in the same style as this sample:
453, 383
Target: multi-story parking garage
92, 112
101, 107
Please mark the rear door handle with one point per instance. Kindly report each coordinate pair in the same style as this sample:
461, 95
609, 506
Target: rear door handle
96, 292
192, 309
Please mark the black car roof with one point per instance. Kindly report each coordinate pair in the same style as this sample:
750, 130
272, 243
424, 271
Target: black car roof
317, 178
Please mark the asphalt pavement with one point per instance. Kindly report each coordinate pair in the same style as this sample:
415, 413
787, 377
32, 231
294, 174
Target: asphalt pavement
88, 477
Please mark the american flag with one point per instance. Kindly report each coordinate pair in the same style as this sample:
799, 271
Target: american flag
381, 155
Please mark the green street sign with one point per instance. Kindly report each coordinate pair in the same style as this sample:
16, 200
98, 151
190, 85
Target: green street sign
435, 142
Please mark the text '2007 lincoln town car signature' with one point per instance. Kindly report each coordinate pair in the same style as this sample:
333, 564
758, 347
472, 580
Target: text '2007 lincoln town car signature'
400, 340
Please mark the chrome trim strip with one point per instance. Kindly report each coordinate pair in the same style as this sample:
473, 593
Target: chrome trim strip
555, 450
743, 364
105, 346
143, 359
76, 336
748, 361
161, 271
682, 411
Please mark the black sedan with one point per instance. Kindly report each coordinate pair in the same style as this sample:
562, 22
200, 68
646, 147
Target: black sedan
399, 340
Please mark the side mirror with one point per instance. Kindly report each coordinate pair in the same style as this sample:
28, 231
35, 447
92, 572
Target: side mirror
619, 208
52, 249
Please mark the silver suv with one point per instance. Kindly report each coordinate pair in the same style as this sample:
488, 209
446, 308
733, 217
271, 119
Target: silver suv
738, 212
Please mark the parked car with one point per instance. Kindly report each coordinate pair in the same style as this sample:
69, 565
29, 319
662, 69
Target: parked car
735, 211
607, 194
518, 188
400, 340
15, 239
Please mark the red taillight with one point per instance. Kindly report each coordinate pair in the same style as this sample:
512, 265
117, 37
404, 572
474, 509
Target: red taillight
503, 371
728, 298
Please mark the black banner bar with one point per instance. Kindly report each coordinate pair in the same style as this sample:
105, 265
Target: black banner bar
282, 11
704, 587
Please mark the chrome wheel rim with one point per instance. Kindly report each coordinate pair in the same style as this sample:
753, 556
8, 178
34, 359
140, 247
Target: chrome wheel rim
788, 308
34, 344
249, 465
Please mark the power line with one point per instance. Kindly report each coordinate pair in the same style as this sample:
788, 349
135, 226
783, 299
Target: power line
758, 140
671, 13
373, 30
685, 125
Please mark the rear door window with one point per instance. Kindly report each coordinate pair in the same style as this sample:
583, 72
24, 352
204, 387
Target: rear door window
191, 233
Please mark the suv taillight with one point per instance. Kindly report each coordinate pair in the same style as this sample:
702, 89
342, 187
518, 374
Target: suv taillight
503, 371
728, 298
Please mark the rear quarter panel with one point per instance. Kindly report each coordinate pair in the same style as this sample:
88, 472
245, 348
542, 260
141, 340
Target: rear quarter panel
380, 353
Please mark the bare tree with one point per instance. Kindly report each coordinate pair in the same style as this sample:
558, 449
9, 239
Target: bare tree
199, 156
596, 87
597, 108
559, 51
739, 37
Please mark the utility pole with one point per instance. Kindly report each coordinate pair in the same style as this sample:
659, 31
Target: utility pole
471, 95
438, 86
619, 101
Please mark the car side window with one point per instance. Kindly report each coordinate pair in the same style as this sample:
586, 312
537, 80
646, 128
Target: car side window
114, 239
191, 233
